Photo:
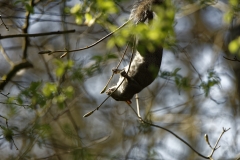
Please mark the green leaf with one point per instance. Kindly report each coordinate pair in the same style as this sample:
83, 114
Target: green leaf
213, 80
60, 71
89, 20
234, 2
75, 9
234, 45
62, 67
49, 89
110, 56
69, 91
78, 19
175, 71
7, 133
107, 6
29, 8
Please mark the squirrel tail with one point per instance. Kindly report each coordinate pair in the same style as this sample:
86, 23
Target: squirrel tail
142, 10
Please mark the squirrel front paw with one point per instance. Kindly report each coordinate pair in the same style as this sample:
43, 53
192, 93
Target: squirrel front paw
116, 71
124, 74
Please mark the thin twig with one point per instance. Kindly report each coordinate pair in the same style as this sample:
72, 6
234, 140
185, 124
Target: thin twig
199, 75
36, 34
5, 120
42, 19
17, 67
133, 51
3, 23
5, 95
157, 126
104, 89
23, 105
25, 30
234, 59
8, 128
78, 148
215, 146
6, 56
87, 47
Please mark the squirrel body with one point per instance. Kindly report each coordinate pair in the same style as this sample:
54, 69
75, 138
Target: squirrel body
145, 66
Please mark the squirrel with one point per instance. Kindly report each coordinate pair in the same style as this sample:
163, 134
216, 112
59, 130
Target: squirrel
144, 66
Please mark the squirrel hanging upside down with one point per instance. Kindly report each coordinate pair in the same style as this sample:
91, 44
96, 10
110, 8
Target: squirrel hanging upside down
145, 66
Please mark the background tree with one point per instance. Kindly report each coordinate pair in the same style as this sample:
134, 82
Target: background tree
44, 97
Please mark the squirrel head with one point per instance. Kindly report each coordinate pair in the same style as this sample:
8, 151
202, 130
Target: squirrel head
117, 95
114, 95
142, 10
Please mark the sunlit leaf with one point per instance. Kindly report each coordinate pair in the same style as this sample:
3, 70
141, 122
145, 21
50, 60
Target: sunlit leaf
234, 45
75, 9
89, 20
49, 89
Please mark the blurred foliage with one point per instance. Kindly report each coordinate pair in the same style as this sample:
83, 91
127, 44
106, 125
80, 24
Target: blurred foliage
234, 46
159, 32
28, 7
212, 80
44, 105
7, 133
89, 12
235, 7
38, 94
180, 81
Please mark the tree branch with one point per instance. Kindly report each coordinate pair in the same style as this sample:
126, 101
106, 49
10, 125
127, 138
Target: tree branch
153, 125
17, 67
234, 59
4, 23
87, 47
201, 155
6, 56
216, 147
36, 34
25, 30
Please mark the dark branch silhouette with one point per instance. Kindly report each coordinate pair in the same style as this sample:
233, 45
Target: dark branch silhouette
17, 67
160, 127
36, 34
4, 23
234, 59
87, 47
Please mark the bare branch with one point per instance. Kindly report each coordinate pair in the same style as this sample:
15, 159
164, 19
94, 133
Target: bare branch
5, 95
157, 126
91, 112
36, 34
206, 137
5, 119
42, 19
24, 64
8, 128
104, 89
23, 105
100, 140
6, 56
234, 59
25, 30
4, 23
215, 146
87, 47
